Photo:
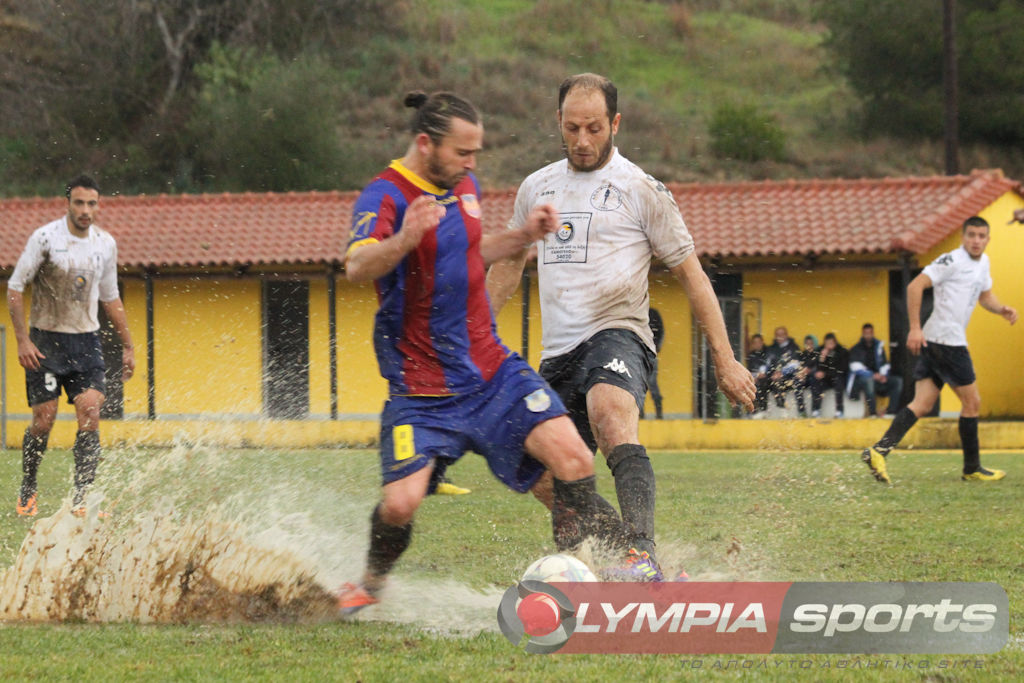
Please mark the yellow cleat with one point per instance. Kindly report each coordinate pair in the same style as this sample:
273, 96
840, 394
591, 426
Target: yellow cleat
984, 475
446, 488
876, 462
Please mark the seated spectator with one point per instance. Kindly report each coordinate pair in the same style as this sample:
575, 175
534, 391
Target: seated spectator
757, 363
869, 372
784, 366
808, 366
829, 373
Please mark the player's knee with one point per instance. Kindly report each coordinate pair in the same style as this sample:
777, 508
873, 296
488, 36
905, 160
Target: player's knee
573, 464
399, 509
970, 406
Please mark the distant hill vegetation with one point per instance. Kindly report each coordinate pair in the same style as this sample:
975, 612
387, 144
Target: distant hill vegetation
157, 97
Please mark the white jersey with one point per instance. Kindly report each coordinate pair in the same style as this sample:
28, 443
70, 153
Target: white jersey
593, 271
958, 281
69, 275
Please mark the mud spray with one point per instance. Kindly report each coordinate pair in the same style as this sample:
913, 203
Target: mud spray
201, 535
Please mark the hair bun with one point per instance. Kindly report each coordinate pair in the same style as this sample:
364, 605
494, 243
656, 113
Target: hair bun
415, 99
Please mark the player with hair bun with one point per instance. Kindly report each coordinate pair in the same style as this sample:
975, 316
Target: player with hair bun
453, 385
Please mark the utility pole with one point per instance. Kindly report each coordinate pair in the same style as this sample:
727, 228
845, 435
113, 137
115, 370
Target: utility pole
949, 78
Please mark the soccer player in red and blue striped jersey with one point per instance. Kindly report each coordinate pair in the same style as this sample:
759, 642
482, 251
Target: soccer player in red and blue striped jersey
453, 385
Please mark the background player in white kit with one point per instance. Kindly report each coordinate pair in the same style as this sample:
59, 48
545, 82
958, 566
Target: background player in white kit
961, 279
71, 265
598, 346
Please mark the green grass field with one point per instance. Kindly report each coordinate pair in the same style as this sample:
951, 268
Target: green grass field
724, 516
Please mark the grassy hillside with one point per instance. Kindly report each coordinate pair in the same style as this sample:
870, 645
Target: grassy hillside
674, 63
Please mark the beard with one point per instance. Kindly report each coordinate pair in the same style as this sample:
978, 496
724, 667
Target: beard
436, 174
602, 156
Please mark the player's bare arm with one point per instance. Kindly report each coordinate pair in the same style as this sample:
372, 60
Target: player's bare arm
514, 243
504, 273
115, 313
915, 292
992, 304
28, 355
734, 380
376, 259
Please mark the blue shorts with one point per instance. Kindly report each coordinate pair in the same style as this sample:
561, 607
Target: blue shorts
945, 365
73, 362
493, 421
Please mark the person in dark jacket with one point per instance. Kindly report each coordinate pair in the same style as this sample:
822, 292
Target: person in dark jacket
783, 368
829, 373
657, 326
869, 372
757, 363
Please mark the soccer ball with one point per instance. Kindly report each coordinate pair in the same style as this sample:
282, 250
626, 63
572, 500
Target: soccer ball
558, 568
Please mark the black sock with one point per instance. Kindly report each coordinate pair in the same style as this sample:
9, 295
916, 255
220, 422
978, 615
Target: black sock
579, 512
969, 441
387, 543
32, 449
87, 458
607, 525
901, 424
635, 489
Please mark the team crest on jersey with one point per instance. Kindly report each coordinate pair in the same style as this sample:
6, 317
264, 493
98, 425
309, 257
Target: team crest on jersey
470, 205
606, 198
538, 401
569, 243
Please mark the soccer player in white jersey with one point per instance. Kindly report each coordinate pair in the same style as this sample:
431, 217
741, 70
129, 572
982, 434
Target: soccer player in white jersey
598, 346
961, 279
72, 266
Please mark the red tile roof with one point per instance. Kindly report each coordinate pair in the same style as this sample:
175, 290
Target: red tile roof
739, 219
801, 217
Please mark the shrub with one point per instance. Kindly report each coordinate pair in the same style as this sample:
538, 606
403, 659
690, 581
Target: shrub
742, 133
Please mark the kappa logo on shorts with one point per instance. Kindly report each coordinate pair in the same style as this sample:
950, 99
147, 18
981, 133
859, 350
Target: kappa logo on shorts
538, 401
616, 365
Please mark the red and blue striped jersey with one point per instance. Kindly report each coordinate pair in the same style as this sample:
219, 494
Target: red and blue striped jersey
433, 333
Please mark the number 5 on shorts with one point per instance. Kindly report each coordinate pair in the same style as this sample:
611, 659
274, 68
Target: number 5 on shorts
50, 381
405, 447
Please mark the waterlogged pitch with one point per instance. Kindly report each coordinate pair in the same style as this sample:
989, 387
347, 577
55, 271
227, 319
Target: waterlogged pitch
231, 558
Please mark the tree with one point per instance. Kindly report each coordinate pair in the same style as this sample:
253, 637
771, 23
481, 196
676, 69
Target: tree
105, 86
890, 51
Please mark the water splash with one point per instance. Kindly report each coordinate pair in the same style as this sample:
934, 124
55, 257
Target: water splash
202, 535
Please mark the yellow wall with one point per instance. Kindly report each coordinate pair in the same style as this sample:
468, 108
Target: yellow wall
997, 349
361, 390
510, 327
820, 301
208, 346
209, 342
675, 361
133, 295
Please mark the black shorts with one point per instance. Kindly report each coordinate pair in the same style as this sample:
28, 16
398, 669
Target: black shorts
945, 365
73, 361
616, 357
